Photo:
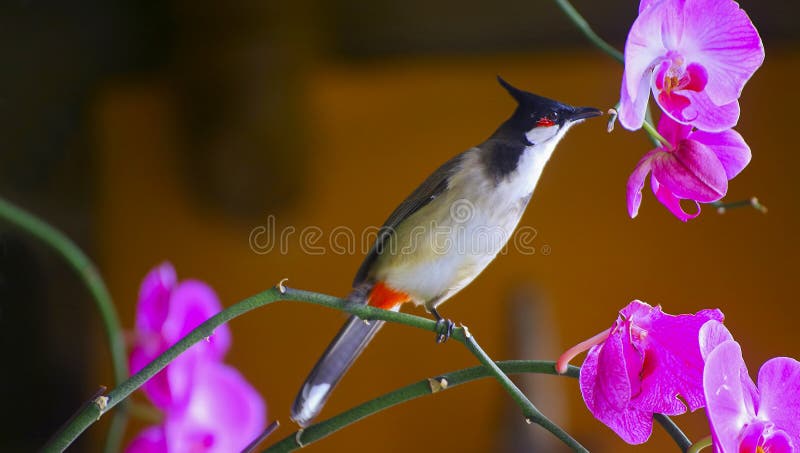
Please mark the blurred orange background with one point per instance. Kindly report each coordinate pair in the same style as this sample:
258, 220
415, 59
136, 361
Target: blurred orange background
184, 161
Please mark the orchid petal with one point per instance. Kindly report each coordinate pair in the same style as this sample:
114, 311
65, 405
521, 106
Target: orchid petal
636, 183
671, 202
712, 334
705, 115
674, 105
157, 387
730, 148
725, 395
225, 413
192, 303
673, 365
149, 440
779, 384
672, 130
644, 4
720, 36
153, 305
780, 442
691, 171
167, 312
606, 388
632, 109
644, 47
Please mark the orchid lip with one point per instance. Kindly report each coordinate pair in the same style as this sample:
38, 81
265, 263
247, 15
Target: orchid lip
581, 113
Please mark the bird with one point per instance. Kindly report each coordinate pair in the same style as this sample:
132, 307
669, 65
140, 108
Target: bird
445, 233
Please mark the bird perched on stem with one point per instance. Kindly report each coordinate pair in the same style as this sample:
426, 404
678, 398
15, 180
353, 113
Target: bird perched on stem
446, 232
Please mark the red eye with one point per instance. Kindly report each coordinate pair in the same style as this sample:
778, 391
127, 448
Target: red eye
545, 122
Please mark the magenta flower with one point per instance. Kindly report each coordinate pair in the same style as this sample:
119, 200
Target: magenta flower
224, 414
647, 360
744, 417
208, 406
695, 56
697, 168
166, 312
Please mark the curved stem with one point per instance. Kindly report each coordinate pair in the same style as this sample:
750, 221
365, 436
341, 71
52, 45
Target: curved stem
85, 269
90, 276
532, 414
584, 27
462, 335
648, 118
325, 428
116, 431
700, 444
724, 206
674, 432
89, 414
655, 136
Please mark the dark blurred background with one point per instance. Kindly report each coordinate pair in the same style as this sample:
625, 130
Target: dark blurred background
151, 131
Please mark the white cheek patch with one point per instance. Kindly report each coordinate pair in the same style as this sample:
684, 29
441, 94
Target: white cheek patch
542, 134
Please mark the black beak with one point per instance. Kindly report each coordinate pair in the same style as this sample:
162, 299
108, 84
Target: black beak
581, 113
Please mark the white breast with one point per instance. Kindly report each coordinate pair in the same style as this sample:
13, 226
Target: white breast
442, 247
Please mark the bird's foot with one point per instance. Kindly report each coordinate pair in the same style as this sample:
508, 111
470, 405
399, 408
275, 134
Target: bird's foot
444, 327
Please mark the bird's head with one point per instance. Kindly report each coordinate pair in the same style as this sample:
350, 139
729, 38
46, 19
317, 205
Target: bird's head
538, 120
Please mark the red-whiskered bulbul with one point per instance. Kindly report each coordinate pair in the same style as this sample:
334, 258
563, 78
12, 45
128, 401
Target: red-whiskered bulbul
446, 232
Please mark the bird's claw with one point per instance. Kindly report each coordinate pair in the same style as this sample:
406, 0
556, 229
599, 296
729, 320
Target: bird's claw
444, 329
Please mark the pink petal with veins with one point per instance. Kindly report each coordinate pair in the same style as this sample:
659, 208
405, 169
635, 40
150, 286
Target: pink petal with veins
719, 35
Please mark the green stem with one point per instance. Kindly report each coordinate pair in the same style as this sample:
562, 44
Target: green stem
92, 412
584, 27
85, 269
648, 118
672, 429
89, 414
116, 431
90, 276
657, 138
532, 414
462, 335
325, 428
700, 444
753, 202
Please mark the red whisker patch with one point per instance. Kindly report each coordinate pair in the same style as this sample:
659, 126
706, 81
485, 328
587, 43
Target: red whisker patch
545, 122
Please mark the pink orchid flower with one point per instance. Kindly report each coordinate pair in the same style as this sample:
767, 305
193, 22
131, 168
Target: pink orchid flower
695, 56
641, 366
224, 414
744, 417
697, 168
166, 312
208, 406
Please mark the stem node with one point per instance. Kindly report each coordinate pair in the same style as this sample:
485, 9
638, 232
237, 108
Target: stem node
281, 287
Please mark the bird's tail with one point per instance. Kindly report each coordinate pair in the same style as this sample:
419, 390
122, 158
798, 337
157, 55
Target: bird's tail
334, 363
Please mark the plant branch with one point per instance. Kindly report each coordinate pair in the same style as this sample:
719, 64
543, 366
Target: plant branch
701, 444
584, 27
462, 335
532, 414
657, 138
723, 206
89, 414
674, 432
90, 276
85, 269
424, 387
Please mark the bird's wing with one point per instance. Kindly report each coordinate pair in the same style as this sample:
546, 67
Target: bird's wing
431, 188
